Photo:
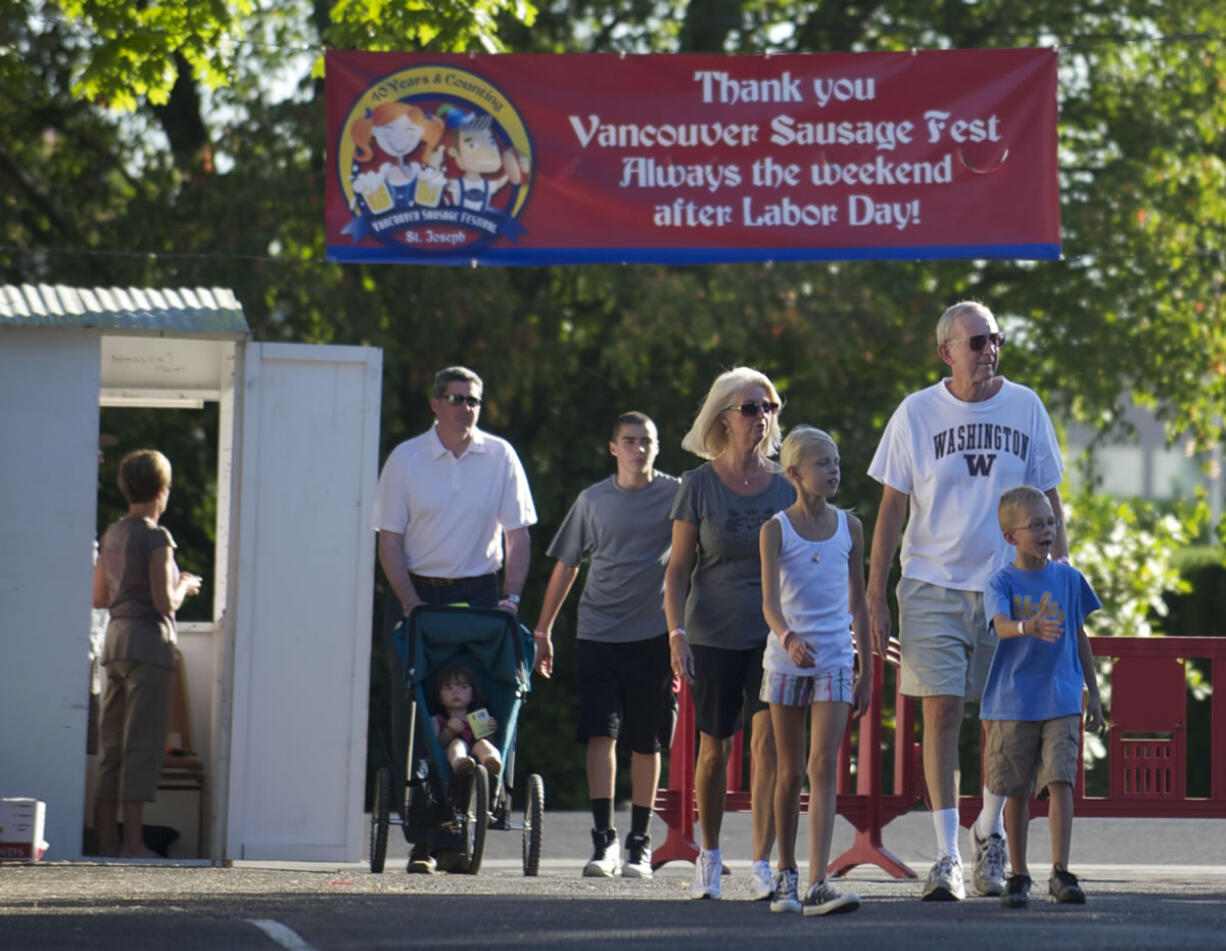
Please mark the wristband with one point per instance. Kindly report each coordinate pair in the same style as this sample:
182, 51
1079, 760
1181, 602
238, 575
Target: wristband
783, 639
513, 598
677, 632
541, 635
1021, 627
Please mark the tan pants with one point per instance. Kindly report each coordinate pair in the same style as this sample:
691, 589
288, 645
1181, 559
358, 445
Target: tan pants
135, 714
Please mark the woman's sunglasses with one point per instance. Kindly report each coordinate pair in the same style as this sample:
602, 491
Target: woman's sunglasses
750, 408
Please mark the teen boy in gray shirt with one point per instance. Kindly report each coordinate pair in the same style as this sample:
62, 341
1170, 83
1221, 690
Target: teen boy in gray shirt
622, 526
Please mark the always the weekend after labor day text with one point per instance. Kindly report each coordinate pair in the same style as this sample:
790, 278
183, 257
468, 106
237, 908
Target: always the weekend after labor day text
780, 193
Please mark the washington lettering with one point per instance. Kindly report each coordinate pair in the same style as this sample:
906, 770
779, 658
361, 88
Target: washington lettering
979, 436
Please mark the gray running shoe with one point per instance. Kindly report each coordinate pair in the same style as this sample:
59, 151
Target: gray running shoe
1062, 889
825, 899
987, 862
787, 881
944, 881
1017, 892
606, 855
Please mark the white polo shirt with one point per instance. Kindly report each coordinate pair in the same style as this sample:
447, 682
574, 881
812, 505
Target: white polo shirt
452, 512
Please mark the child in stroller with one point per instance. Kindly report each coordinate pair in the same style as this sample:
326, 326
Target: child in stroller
456, 693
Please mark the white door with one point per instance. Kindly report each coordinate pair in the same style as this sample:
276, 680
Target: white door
301, 581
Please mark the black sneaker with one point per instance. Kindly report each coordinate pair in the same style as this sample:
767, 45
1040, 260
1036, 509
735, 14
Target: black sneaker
606, 855
1017, 892
638, 856
1062, 889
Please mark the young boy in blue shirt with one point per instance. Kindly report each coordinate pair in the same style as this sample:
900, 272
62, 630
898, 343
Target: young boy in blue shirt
1034, 688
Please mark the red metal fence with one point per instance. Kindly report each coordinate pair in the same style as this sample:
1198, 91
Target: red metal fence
1146, 763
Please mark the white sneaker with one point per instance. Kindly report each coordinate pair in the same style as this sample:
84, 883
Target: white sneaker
638, 856
944, 881
707, 870
787, 881
761, 881
825, 899
606, 855
987, 862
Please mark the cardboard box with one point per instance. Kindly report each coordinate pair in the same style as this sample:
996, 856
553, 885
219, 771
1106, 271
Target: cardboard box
21, 828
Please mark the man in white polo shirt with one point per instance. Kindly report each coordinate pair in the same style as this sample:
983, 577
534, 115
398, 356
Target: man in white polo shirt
445, 503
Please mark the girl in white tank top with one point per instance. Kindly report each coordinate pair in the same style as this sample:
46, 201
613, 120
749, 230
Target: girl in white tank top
813, 599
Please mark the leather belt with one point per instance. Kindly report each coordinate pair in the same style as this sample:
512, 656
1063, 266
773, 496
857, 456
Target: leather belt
441, 582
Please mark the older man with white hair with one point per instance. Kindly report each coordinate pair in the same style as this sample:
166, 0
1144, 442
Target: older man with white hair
947, 453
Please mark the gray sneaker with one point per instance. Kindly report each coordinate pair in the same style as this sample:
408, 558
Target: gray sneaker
987, 862
825, 899
787, 881
1064, 889
944, 881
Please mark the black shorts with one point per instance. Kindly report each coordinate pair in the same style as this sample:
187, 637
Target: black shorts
725, 682
626, 692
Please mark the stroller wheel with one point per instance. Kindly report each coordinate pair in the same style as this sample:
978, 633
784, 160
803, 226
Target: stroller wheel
476, 818
380, 818
534, 822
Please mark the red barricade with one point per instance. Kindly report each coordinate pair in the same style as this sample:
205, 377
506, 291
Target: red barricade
1147, 773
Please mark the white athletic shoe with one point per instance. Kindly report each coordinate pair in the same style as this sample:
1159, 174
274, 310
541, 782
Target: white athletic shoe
707, 870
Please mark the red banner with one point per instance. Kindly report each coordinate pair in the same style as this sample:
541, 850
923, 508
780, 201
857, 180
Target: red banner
682, 159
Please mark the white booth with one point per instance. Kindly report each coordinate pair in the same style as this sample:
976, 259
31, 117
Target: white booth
279, 680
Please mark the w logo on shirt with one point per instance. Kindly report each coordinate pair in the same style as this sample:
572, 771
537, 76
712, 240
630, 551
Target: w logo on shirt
979, 465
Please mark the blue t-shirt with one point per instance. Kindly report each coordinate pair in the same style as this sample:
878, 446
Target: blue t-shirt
1031, 679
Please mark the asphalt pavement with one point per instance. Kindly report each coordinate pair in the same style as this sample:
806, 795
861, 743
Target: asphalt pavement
1150, 884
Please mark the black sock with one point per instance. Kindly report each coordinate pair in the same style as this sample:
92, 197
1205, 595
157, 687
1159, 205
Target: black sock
602, 814
640, 819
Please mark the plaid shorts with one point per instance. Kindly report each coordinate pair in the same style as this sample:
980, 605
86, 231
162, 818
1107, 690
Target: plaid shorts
834, 686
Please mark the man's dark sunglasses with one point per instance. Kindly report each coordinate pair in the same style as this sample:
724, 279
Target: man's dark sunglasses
979, 341
751, 408
455, 399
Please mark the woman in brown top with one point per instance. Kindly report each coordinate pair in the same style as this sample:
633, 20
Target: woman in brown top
137, 579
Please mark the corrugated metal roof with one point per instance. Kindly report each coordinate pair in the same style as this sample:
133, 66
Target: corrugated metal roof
205, 311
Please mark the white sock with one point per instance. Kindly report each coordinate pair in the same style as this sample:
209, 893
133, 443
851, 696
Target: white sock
945, 822
992, 817
714, 855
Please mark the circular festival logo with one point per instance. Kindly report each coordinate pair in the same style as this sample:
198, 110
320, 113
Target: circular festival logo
434, 160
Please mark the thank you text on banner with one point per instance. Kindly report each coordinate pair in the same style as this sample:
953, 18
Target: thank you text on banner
562, 159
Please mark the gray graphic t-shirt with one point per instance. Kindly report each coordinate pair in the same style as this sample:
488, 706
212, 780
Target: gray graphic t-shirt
724, 607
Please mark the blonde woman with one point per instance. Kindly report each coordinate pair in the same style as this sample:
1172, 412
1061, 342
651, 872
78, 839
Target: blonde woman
713, 602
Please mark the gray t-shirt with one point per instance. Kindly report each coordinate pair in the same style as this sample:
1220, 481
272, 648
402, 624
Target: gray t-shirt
724, 607
626, 533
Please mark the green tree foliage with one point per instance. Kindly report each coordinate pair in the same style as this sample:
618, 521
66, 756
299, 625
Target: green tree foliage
153, 144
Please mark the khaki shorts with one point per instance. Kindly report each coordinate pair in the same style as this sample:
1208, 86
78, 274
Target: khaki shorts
947, 646
1025, 755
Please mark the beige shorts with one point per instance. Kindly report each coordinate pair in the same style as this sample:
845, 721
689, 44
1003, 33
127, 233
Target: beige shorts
1025, 755
947, 646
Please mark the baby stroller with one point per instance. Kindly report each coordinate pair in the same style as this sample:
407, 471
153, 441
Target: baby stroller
416, 791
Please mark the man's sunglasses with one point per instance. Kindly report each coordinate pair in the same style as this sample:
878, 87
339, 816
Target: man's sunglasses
455, 399
979, 341
750, 408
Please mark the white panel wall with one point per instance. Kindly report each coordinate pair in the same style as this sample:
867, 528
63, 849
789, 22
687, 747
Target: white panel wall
304, 562
48, 508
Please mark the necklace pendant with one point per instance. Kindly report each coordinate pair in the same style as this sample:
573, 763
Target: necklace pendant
817, 557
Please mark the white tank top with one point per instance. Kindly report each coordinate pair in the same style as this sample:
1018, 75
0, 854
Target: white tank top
813, 591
